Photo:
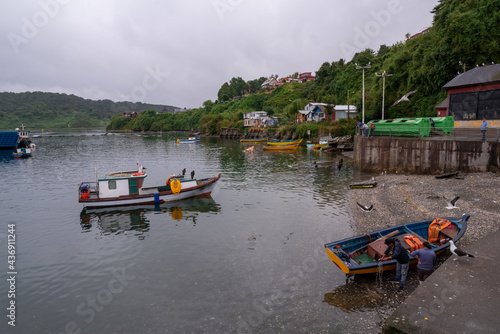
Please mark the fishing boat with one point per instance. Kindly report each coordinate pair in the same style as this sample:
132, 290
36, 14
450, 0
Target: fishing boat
284, 142
189, 140
126, 188
283, 147
253, 139
360, 254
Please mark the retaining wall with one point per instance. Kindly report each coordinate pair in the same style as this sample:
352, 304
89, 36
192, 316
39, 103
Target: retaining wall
425, 156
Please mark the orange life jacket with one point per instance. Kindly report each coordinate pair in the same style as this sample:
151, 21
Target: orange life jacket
435, 227
414, 242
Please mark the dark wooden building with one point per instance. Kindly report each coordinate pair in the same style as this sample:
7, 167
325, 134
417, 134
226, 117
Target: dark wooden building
474, 94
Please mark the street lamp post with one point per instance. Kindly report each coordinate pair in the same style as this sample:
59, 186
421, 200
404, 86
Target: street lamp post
363, 68
383, 75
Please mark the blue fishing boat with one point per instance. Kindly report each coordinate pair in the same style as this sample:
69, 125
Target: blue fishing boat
360, 254
188, 141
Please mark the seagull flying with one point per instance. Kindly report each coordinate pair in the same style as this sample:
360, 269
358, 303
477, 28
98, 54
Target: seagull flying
405, 97
451, 204
457, 251
366, 208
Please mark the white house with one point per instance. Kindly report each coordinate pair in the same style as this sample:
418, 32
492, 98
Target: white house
258, 118
341, 111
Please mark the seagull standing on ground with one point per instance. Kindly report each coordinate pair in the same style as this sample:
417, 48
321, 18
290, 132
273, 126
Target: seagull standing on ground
366, 208
340, 163
457, 251
451, 204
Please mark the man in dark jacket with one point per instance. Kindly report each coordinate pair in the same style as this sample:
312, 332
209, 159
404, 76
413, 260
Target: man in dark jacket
397, 252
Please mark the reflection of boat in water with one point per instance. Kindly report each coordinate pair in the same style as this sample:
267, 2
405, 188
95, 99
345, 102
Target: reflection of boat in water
135, 218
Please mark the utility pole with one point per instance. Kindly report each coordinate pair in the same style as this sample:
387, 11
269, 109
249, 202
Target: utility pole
383, 75
363, 68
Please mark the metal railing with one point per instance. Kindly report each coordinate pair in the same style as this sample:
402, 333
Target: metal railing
439, 133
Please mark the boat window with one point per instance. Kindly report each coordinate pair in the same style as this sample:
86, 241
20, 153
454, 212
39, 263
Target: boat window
112, 184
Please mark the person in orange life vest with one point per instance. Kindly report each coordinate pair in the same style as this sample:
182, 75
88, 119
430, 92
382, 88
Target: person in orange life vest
426, 258
397, 252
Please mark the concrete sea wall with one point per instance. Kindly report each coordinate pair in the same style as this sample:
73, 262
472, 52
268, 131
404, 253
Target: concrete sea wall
425, 156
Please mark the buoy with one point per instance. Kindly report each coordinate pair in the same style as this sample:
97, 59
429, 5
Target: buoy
178, 141
175, 185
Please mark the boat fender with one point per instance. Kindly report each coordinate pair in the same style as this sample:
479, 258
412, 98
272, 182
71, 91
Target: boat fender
85, 194
175, 185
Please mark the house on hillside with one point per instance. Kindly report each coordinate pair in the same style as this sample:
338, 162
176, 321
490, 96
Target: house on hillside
344, 111
131, 114
473, 95
258, 118
271, 83
306, 76
419, 34
313, 112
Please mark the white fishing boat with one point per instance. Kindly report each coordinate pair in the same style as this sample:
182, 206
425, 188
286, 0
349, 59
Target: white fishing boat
126, 188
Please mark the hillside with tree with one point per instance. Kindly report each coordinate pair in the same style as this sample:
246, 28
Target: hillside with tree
53, 110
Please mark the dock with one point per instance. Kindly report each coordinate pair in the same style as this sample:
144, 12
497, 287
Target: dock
461, 296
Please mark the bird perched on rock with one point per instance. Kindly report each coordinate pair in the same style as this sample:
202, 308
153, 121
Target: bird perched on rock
458, 251
366, 208
451, 204
405, 97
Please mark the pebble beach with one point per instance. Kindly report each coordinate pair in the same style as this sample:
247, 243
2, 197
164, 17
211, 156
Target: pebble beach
400, 198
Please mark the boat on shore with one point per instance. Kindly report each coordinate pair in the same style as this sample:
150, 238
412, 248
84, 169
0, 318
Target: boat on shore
363, 184
282, 147
189, 140
249, 140
126, 188
360, 254
284, 142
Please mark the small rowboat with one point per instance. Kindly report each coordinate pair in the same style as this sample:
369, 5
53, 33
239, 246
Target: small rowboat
187, 141
363, 184
253, 139
360, 254
284, 142
284, 147
250, 149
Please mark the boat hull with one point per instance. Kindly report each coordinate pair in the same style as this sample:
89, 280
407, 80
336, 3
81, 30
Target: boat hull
340, 252
204, 188
253, 140
285, 147
284, 143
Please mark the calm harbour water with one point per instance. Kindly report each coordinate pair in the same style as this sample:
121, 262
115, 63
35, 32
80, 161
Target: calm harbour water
248, 260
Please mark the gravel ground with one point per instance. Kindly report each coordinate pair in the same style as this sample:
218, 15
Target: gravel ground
400, 198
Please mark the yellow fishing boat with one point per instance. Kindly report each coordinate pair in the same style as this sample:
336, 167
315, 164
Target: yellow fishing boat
284, 142
284, 147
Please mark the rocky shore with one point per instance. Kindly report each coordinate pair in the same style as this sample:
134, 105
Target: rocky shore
400, 198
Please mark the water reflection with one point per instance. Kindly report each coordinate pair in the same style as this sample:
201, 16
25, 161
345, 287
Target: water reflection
135, 218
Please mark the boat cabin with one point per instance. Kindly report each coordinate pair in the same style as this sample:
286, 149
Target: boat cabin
120, 184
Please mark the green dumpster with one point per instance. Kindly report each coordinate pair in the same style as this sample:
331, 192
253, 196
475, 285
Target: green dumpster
402, 127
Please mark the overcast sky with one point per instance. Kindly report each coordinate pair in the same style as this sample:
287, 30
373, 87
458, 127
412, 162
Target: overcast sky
179, 52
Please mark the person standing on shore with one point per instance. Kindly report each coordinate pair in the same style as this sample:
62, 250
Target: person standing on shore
484, 127
396, 252
426, 258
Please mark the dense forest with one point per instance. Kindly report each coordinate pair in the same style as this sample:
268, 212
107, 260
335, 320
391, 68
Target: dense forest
53, 110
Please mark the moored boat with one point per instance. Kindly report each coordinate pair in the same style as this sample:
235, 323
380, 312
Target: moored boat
284, 142
282, 147
360, 254
189, 140
126, 188
253, 139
